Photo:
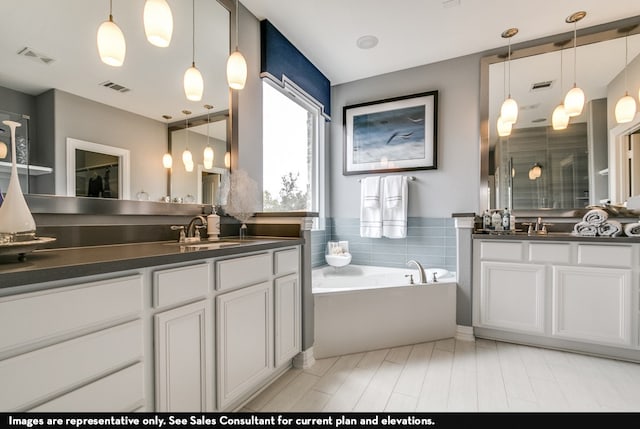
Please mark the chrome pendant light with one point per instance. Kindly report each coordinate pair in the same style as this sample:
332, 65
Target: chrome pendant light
560, 118
208, 150
167, 159
626, 108
574, 100
111, 44
509, 109
236, 64
193, 82
158, 22
187, 157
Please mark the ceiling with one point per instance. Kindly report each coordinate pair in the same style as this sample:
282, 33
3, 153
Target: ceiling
417, 32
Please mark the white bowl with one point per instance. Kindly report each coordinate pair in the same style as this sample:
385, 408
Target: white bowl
338, 260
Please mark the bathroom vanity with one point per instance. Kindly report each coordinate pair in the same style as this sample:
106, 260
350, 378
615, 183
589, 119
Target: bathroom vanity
149, 326
560, 291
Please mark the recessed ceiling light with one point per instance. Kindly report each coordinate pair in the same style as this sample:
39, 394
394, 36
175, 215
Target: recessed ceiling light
367, 42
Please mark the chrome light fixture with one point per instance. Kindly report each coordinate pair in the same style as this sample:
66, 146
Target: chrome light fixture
509, 109
560, 118
236, 64
574, 100
187, 158
158, 22
208, 151
111, 44
167, 159
193, 82
625, 109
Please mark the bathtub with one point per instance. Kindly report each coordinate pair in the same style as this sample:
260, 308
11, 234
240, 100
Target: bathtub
360, 308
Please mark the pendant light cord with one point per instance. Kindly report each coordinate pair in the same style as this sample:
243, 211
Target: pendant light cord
575, 54
111, 10
509, 67
237, 13
626, 56
561, 73
193, 32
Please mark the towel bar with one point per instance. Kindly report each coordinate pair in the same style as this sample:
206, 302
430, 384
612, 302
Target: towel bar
410, 178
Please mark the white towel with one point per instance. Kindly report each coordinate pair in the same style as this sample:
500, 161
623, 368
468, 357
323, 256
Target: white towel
610, 228
595, 217
370, 217
370, 189
585, 229
394, 211
632, 229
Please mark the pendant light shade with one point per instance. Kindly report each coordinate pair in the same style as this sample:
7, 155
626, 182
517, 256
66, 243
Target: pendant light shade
504, 128
188, 166
193, 83
3, 150
560, 119
236, 70
236, 64
208, 157
574, 101
187, 157
625, 109
167, 160
158, 22
535, 171
111, 45
227, 160
509, 111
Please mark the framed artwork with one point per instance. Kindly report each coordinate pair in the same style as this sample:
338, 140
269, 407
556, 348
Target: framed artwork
396, 134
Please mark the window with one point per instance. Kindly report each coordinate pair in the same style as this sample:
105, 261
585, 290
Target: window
293, 136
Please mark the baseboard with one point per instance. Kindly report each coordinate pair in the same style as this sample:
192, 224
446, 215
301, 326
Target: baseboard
465, 333
304, 359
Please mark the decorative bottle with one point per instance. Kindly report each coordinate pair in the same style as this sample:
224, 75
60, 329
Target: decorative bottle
213, 225
506, 220
486, 220
496, 220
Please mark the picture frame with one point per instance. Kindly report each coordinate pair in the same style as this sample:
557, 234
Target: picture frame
390, 135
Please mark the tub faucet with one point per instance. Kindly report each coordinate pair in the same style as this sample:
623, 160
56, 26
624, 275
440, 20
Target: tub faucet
423, 276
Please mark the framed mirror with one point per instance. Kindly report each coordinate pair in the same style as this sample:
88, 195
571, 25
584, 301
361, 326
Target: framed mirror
53, 74
537, 169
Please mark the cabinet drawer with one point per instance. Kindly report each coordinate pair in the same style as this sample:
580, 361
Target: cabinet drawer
546, 252
501, 251
177, 285
244, 271
33, 377
119, 392
604, 256
42, 315
286, 261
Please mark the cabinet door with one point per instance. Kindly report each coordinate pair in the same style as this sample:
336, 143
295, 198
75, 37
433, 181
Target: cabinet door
512, 296
592, 304
244, 340
184, 370
287, 316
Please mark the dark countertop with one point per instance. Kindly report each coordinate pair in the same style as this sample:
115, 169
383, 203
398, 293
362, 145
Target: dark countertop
554, 236
58, 264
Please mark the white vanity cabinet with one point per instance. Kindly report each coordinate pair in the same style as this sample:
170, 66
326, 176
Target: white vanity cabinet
287, 305
576, 295
183, 339
73, 348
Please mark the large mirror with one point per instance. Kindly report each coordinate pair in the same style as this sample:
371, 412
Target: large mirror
539, 168
52, 74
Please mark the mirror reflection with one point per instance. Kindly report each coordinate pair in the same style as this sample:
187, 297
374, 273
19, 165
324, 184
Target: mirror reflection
537, 166
52, 73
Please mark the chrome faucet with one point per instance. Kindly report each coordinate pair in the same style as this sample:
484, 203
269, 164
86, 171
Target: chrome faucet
423, 275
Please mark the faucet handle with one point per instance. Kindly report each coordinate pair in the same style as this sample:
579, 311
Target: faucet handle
410, 278
182, 237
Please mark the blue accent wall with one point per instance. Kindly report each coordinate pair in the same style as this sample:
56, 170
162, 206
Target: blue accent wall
279, 58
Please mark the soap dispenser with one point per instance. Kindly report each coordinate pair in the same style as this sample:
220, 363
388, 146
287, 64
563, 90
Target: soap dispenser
213, 225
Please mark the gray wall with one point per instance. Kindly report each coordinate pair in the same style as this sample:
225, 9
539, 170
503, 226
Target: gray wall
146, 139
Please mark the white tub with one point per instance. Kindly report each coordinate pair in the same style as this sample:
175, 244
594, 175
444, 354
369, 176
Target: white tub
360, 308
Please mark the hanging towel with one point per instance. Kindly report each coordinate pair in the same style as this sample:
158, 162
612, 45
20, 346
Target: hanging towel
394, 211
370, 215
371, 192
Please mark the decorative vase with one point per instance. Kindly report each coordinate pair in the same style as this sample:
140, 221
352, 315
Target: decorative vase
243, 231
16, 222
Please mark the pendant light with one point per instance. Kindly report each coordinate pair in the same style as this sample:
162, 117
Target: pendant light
158, 22
625, 107
574, 100
111, 45
560, 118
193, 83
208, 151
509, 109
236, 64
504, 128
187, 158
535, 171
227, 160
167, 159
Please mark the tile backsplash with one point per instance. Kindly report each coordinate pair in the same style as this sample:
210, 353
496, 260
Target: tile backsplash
430, 241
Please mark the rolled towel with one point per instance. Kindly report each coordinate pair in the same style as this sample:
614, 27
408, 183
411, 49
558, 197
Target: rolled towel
595, 217
632, 229
611, 228
585, 229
